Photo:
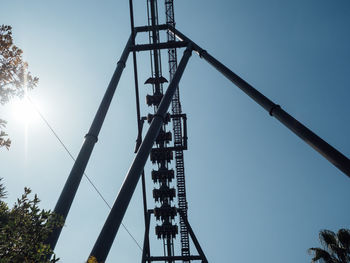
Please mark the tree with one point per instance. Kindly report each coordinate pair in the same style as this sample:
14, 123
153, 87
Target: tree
4, 141
336, 247
24, 229
15, 79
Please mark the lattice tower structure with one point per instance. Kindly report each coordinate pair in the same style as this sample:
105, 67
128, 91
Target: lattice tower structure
178, 132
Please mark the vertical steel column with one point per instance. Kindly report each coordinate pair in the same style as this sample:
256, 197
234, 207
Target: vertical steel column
70, 188
138, 116
115, 217
156, 53
321, 146
146, 250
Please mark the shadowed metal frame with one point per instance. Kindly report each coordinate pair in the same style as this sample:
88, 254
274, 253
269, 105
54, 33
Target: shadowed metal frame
102, 246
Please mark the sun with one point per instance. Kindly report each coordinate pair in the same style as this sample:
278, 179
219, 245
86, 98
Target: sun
23, 111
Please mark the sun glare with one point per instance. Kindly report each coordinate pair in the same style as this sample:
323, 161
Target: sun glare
23, 111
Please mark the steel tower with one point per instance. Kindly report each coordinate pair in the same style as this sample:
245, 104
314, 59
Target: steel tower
162, 145
162, 154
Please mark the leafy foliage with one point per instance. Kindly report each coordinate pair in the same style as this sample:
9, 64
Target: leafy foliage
336, 247
14, 76
4, 141
24, 229
13, 70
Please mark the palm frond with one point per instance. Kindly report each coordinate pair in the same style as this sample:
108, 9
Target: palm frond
344, 238
328, 238
320, 255
339, 252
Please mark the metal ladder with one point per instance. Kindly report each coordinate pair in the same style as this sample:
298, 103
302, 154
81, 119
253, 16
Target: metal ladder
177, 129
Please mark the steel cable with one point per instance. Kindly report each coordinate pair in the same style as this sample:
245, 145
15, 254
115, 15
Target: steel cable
73, 158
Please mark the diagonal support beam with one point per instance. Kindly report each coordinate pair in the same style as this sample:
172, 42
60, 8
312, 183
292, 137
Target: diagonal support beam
321, 146
70, 188
105, 239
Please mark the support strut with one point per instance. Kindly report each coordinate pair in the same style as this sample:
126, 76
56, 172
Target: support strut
105, 239
193, 236
70, 188
325, 149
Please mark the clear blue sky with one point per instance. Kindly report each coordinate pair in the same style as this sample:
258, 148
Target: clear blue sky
256, 192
